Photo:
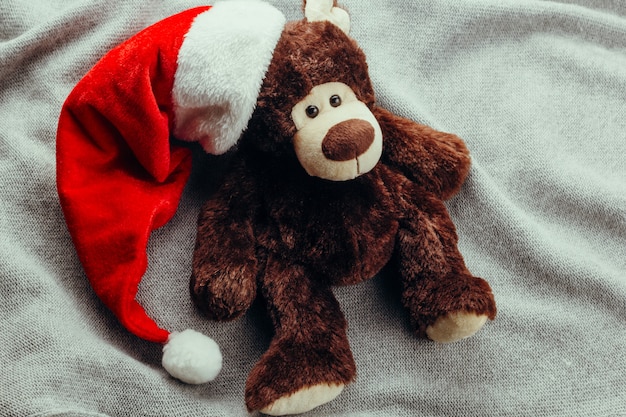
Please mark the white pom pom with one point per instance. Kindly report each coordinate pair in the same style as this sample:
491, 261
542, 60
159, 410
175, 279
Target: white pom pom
192, 357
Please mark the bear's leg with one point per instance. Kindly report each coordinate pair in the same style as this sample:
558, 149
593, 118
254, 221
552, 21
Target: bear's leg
446, 302
309, 360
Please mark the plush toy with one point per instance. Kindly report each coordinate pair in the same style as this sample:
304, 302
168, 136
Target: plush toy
326, 188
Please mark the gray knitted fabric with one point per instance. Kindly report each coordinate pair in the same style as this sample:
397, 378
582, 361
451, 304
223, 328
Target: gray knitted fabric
538, 91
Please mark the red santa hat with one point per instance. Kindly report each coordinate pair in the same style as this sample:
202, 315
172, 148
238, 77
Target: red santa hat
196, 76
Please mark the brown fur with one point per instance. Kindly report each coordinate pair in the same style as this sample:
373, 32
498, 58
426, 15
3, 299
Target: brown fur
273, 227
307, 54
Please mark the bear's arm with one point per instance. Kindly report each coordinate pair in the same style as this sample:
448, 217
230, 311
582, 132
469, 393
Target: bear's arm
225, 265
436, 160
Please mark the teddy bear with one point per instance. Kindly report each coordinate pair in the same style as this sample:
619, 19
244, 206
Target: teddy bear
326, 188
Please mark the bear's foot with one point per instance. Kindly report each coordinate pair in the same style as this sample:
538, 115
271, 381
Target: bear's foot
455, 326
449, 308
292, 378
303, 400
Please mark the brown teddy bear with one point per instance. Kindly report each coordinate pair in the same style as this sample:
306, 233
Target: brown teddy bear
326, 188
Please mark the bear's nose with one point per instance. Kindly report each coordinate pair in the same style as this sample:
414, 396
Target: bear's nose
348, 140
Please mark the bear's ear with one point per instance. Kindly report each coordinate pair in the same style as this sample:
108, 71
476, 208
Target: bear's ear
321, 10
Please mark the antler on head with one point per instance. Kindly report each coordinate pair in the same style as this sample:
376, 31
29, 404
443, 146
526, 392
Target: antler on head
327, 10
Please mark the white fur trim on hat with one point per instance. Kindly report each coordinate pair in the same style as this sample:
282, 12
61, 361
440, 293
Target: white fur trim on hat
221, 66
192, 357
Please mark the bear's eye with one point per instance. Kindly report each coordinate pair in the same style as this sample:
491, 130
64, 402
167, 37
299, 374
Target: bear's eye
312, 111
335, 100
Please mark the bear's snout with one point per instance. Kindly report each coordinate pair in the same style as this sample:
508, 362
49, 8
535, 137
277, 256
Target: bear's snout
348, 140
338, 137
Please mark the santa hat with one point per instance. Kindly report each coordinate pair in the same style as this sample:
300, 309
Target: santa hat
196, 76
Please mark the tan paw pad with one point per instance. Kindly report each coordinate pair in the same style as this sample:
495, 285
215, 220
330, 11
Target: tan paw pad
455, 326
303, 400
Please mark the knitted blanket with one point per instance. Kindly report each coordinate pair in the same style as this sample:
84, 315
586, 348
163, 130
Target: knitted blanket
537, 89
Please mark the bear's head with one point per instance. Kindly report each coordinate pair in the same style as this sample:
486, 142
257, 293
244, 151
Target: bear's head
315, 104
